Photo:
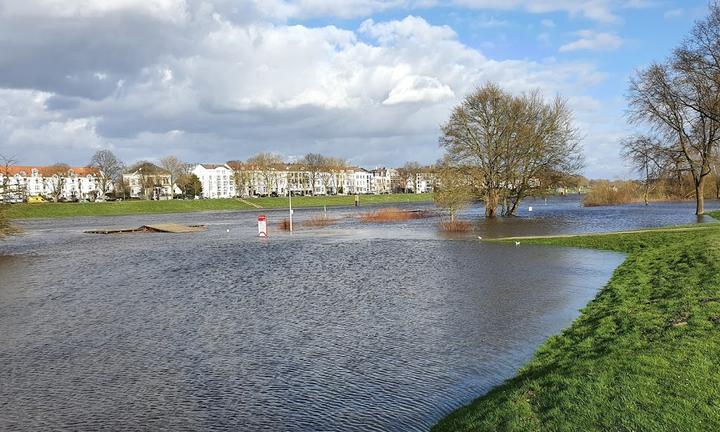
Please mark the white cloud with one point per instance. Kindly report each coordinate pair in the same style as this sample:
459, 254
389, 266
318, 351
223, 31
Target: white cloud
173, 10
599, 10
548, 23
413, 88
674, 13
210, 87
590, 40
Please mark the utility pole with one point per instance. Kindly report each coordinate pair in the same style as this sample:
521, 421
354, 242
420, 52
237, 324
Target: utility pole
290, 207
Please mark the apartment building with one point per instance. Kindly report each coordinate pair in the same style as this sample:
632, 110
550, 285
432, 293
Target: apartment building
217, 180
56, 182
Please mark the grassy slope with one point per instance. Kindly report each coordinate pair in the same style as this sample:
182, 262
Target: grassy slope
643, 356
53, 210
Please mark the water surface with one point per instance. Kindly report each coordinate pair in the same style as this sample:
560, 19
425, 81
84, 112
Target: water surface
351, 327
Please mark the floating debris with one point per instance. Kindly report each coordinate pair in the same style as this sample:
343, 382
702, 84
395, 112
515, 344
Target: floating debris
158, 228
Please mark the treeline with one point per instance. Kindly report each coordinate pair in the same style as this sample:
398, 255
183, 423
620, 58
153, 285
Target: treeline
678, 103
616, 192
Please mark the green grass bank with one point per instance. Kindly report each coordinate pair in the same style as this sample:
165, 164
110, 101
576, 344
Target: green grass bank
643, 356
117, 208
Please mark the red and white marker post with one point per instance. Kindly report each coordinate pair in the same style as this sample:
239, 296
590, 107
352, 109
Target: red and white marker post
262, 226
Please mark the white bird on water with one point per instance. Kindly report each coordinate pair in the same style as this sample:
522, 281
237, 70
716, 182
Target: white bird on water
517, 243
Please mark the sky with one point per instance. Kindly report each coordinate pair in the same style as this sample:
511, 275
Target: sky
370, 81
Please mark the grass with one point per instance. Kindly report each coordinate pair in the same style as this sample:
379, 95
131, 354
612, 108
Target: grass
60, 210
643, 356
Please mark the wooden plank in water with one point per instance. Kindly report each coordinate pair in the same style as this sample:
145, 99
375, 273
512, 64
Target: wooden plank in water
159, 228
174, 228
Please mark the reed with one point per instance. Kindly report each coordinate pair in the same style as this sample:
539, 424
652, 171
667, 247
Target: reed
615, 193
320, 221
393, 215
455, 226
284, 225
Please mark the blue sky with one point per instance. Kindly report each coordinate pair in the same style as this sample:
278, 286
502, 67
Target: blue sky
367, 80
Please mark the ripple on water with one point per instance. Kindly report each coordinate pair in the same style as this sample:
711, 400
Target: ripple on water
223, 331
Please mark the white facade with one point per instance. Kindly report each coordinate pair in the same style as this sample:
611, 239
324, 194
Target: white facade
237, 179
217, 180
150, 182
75, 183
362, 182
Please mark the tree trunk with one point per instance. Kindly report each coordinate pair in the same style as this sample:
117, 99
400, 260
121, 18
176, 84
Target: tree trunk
491, 203
699, 195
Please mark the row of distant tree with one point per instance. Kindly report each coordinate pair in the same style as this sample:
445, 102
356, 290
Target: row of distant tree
678, 103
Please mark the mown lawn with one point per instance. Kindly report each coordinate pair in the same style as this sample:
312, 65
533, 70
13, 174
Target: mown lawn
59, 210
643, 356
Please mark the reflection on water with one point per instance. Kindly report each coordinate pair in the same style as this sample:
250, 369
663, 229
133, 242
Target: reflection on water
351, 327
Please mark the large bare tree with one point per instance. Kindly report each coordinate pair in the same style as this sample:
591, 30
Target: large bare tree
315, 164
175, 167
242, 177
679, 100
502, 144
110, 167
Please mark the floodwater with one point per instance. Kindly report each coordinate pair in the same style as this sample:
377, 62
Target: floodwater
351, 327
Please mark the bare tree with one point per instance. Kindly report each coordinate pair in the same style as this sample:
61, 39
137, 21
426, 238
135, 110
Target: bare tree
502, 144
680, 101
647, 156
55, 178
175, 167
241, 177
267, 164
110, 167
451, 191
314, 163
7, 162
409, 173
331, 176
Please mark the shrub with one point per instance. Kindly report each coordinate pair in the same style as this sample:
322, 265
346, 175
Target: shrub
455, 226
394, 215
284, 225
613, 193
320, 221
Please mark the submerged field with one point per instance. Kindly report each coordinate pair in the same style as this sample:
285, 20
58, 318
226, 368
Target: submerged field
117, 208
642, 356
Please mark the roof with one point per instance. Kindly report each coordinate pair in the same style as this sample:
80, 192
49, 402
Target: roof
147, 168
48, 170
213, 166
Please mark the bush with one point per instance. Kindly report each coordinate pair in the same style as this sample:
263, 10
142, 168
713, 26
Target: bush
320, 221
394, 215
284, 225
455, 226
613, 193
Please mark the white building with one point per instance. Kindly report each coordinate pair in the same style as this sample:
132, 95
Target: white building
217, 180
362, 182
57, 182
149, 181
381, 181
